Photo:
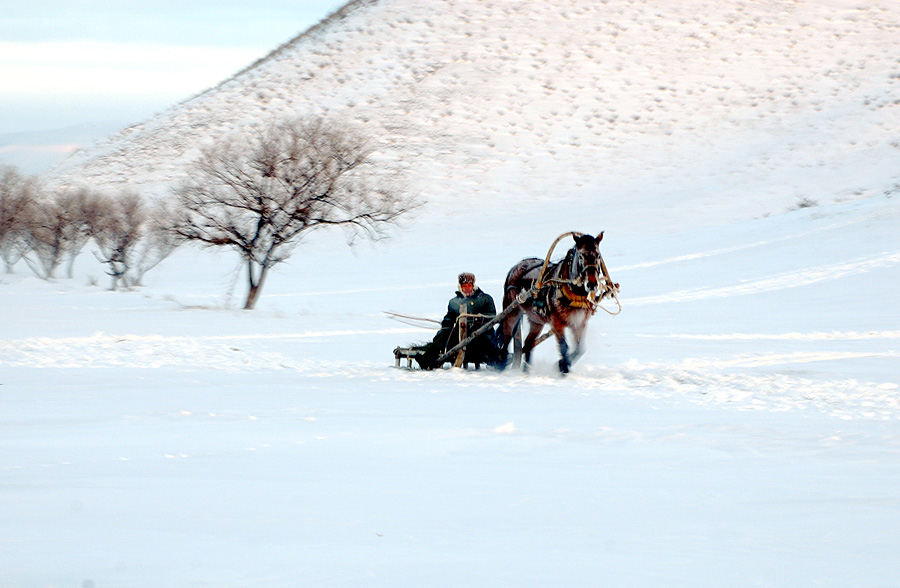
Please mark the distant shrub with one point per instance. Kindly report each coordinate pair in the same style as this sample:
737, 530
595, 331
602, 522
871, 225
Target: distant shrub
132, 238
58, 228
804, 202
16, 194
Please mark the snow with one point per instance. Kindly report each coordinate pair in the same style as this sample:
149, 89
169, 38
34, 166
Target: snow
735, 425
738, 424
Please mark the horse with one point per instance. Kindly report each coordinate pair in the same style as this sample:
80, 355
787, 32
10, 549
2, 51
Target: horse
562, 294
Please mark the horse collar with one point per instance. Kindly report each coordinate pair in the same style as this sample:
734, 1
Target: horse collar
563, 292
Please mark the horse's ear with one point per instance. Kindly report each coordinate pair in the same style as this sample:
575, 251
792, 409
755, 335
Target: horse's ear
600, 236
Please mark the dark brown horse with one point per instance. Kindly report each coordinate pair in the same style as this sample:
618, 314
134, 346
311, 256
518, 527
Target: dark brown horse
564, 295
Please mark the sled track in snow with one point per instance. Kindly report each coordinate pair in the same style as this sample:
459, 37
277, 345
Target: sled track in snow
745, 246
804, 277
717, 380
223, 352
821, 336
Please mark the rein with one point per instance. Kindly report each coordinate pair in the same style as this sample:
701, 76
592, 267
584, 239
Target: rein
412, 321
611, 289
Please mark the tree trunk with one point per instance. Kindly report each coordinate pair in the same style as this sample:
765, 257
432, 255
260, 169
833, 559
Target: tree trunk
256, 284
70, 266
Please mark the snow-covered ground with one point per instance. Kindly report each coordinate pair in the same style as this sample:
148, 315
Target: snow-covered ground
738, 424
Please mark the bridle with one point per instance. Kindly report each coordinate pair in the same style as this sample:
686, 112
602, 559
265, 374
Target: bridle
594, 292
589, 264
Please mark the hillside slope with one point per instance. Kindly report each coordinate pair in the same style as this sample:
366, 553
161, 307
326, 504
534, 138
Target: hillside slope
602, 105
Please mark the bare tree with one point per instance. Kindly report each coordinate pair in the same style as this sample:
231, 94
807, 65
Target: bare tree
132, 238
155, 243
116, 231
59, 228
261, 194
16, 194
84, 209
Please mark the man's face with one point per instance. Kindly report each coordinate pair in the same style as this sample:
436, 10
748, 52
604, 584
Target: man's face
467, 289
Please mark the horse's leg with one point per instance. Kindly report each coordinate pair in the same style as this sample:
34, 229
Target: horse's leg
559, 330
511, 333
517, 344
510, 321
576, 337
534, 330
509, 326
564, 361
578, 330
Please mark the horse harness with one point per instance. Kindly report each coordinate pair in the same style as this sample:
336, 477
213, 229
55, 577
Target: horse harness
557, 289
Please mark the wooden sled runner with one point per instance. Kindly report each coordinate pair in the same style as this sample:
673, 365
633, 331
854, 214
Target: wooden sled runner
407, 353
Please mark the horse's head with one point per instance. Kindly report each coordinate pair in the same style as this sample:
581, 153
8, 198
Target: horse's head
586, 261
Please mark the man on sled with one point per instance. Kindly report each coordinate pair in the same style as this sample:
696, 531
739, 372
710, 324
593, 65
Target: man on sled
466, 312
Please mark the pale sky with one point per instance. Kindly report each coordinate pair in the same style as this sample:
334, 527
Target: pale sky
70, 62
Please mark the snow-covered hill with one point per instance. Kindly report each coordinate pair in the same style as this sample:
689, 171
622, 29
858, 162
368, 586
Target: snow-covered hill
698, 107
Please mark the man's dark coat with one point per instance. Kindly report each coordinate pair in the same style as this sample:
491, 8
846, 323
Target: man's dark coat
481, 350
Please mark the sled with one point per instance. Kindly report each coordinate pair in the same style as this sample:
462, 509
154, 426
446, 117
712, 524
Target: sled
457, 354
407, 353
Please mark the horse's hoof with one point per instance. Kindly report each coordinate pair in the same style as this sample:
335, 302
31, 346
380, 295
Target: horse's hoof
563, 366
